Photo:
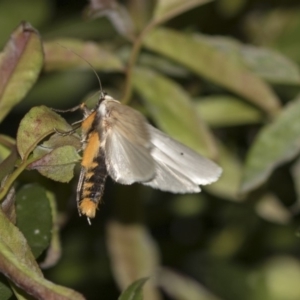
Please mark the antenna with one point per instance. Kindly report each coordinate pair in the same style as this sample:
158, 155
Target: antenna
86, 62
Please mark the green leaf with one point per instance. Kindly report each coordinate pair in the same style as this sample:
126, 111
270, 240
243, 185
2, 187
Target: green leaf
54, 250
133, 255
5, 290
18, 263
36, 125
173, 111
221, 110
194, 52
166, 10
20, 64
270, 208
134, 291
276, 143
58, 164
34, 217
63, 54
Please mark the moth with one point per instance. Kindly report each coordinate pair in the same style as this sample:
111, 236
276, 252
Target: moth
118, 141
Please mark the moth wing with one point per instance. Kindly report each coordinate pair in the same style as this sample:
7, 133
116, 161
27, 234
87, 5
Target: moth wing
127, 143
179, 169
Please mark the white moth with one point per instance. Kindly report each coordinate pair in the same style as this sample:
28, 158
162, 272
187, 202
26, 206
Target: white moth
118, 141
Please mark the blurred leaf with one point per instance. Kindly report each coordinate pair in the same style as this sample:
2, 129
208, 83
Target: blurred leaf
20, 65
58, 164
115, 12
34, 11
272, 21
140, 12
34, 217
182, 287
134, 291
281, 29
133, 255
194, 52
266, 63
271, 65
61, 54
230, 8
39, 122
163, 65
286, 40
271, 209
275, 144
228, 241
221, 110
173, 111
281, 275
228, 184
167, 9
18, 263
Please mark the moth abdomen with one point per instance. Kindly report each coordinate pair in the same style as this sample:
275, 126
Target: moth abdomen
93, 184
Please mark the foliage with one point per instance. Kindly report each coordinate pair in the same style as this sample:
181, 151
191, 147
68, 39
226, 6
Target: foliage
185, 65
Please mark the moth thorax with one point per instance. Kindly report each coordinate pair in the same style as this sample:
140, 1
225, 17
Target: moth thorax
102, 109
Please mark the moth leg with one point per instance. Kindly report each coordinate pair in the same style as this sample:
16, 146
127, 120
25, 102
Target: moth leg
78, 193
65, 133
68, 110
81, 106
79, 188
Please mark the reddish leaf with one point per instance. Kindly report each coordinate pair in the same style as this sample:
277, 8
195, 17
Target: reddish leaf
58, 164
39, 122
20, 65
18, 264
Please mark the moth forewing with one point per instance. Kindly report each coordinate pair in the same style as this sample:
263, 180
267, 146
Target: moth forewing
126, 141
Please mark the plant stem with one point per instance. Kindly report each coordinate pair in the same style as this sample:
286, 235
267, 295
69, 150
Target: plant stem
132, 60
11, 178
